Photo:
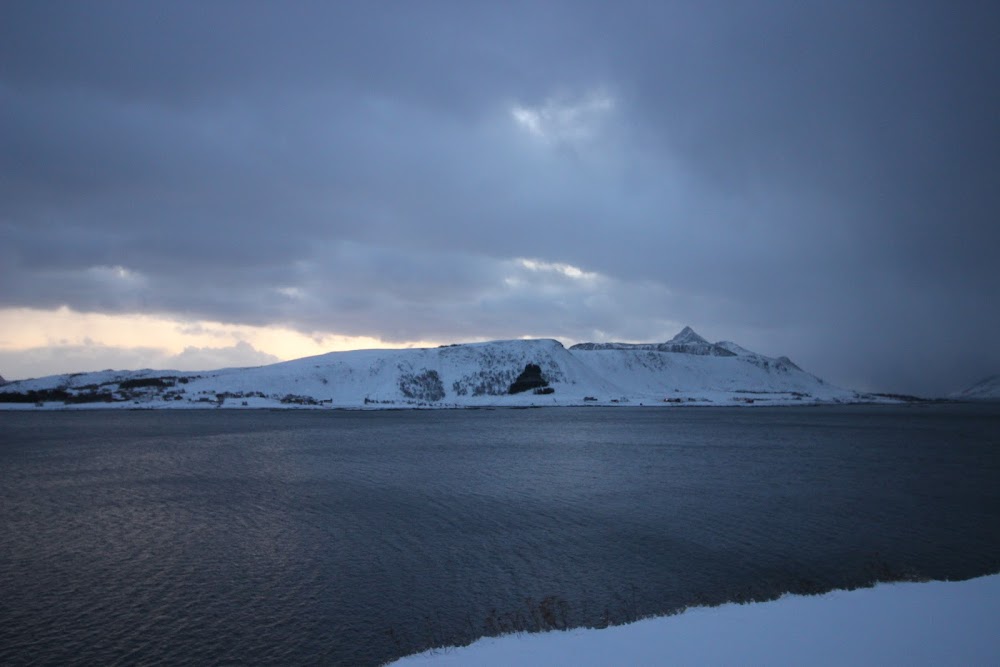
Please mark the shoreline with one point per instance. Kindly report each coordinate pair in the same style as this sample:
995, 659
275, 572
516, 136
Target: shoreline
916, 623
694, 404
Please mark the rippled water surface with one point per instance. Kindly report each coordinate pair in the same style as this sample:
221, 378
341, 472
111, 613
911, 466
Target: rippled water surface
355, 537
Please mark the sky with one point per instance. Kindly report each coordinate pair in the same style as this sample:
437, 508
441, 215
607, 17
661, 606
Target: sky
199, 184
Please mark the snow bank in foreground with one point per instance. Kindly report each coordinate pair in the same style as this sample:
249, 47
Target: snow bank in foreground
935, 623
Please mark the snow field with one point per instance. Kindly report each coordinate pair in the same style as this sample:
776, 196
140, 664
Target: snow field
932, 623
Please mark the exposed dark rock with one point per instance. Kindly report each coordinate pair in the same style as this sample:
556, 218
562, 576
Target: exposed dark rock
136, 383
288, 399
686, 342
425, 386
496, 370
530, 378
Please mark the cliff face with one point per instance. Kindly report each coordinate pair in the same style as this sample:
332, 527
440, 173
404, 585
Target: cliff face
530, 378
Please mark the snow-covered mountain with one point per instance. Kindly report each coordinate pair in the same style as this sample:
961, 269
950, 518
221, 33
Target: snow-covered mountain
686, 342
686, 369
986, 390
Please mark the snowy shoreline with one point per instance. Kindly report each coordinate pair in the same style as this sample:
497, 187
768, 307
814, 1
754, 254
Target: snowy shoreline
930, 623
277, 406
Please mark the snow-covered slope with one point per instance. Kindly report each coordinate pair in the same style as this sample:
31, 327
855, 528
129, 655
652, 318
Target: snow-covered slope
686, 369
987, 390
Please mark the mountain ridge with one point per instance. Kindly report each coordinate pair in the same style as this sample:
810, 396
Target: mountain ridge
686, 369
685, 342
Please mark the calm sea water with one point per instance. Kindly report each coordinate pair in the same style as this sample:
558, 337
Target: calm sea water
354, 537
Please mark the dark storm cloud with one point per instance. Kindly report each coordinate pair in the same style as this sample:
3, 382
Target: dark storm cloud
816, 179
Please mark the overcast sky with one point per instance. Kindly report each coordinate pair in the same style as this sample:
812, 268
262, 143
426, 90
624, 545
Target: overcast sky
263, 180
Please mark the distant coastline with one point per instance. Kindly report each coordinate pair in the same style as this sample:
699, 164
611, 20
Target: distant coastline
684, 371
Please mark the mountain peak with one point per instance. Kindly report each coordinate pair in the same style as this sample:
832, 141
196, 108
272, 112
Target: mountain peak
687, 336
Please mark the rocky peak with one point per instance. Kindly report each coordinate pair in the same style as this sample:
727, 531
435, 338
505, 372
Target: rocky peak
687, 336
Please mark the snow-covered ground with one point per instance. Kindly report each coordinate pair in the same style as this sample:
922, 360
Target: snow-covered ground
686, 370
934, 623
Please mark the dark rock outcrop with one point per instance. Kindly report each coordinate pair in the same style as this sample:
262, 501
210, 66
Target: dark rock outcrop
530, 378
424, 386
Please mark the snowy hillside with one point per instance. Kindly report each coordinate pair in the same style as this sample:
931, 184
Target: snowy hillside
987, 390
687, 370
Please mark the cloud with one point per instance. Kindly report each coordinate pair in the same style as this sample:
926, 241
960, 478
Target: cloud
58, 359
235, 356
565, 121
808, 179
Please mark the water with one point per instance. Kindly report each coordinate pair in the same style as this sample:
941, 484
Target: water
355, 537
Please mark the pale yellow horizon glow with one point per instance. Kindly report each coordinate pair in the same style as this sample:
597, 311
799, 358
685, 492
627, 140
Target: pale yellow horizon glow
30, 328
